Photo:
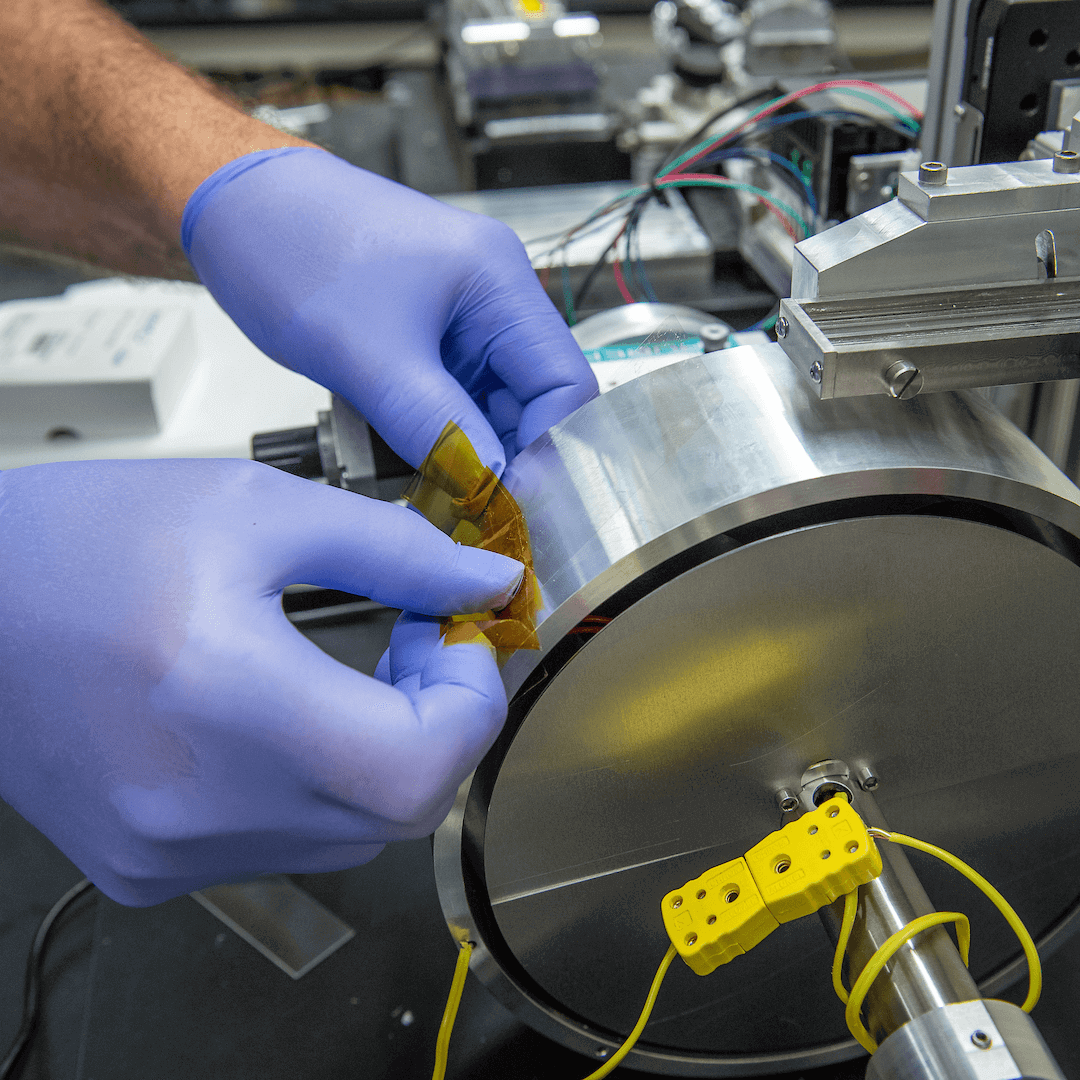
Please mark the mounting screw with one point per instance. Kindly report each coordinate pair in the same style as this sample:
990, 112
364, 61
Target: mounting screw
787, 800
981, 1040
904, 380
714, 336
959, 111
1067, 161
861, 181
867, 778
815, 371
781, 327
933, 174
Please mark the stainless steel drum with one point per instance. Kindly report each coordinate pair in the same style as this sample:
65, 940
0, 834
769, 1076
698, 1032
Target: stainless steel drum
741, 580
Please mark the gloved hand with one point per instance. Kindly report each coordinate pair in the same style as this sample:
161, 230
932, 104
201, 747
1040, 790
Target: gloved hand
160, 719
416, 312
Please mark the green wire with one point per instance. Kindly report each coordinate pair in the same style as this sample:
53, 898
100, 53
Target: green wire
705, 143
568, 295
749, 188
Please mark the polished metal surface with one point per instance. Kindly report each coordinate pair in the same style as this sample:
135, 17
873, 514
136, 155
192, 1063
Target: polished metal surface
927, 972
279, 919
977, 229
787, 580
977, 1040
950, 339
959, 277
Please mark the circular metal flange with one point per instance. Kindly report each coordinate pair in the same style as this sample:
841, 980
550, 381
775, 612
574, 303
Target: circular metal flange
741, 580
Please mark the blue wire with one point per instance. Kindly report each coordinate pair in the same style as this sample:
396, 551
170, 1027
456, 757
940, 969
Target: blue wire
771, 122
778, 159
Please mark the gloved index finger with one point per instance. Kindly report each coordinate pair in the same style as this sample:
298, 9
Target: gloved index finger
337, 539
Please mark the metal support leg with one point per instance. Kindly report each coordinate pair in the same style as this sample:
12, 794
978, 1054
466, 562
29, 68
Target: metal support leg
924, 1010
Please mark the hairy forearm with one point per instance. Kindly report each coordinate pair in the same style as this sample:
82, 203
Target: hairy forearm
103, 140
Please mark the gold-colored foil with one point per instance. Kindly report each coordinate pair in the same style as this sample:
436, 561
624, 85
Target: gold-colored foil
457, 493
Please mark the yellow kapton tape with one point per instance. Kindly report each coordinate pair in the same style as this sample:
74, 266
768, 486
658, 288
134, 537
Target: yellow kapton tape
457, 493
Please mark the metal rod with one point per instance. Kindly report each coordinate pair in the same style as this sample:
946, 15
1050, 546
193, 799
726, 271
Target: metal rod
927, 972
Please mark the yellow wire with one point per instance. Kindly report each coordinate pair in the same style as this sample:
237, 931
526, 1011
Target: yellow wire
999, 901
616, 1058
851, 906
887, 951
453, 1000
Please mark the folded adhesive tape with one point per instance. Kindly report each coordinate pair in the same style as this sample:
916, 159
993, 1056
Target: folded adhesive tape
461, 496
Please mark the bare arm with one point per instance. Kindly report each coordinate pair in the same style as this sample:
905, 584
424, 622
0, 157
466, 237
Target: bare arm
103, 140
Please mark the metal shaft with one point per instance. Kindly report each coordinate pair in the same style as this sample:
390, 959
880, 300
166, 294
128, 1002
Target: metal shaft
927, 972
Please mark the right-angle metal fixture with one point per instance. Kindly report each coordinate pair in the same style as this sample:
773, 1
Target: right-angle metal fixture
959, 282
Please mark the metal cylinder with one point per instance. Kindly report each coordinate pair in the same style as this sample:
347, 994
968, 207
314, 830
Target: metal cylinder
975, 1040
927, 972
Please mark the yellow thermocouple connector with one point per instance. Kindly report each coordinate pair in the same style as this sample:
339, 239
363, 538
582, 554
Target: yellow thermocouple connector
812, 861
793, 872
717, 916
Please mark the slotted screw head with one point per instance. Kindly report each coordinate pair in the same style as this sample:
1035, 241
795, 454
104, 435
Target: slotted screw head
903, 379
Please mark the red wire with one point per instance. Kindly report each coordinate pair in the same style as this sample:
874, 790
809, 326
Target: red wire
616, 269
620, 281
545, 273
817, 88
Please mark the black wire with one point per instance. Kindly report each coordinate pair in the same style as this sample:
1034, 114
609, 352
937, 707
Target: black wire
597, 266
32, 986
695, 138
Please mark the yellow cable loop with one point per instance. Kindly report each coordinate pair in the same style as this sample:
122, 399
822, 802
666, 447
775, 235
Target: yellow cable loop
999, 901
887, 951
851, 906
616, 1059
453, 1000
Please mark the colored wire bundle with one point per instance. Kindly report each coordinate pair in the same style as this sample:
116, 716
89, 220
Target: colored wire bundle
627, 265
876, 964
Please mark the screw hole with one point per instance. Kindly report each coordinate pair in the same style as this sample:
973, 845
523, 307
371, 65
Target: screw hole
732, 896
691, 939
826, 854
711, 919
701, 894
676, 902
834, 811
783, 865
853, 847
812, 830
1072, 58
1038, 39
1029, 104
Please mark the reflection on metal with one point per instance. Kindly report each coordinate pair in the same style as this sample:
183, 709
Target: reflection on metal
975, 1040
287, 925
787, 580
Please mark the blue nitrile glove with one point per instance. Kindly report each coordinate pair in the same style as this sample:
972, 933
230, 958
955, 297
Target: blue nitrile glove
160, 719
416, 312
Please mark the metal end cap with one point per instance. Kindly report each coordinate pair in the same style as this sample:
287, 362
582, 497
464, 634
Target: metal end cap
933, 174
1067, 161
